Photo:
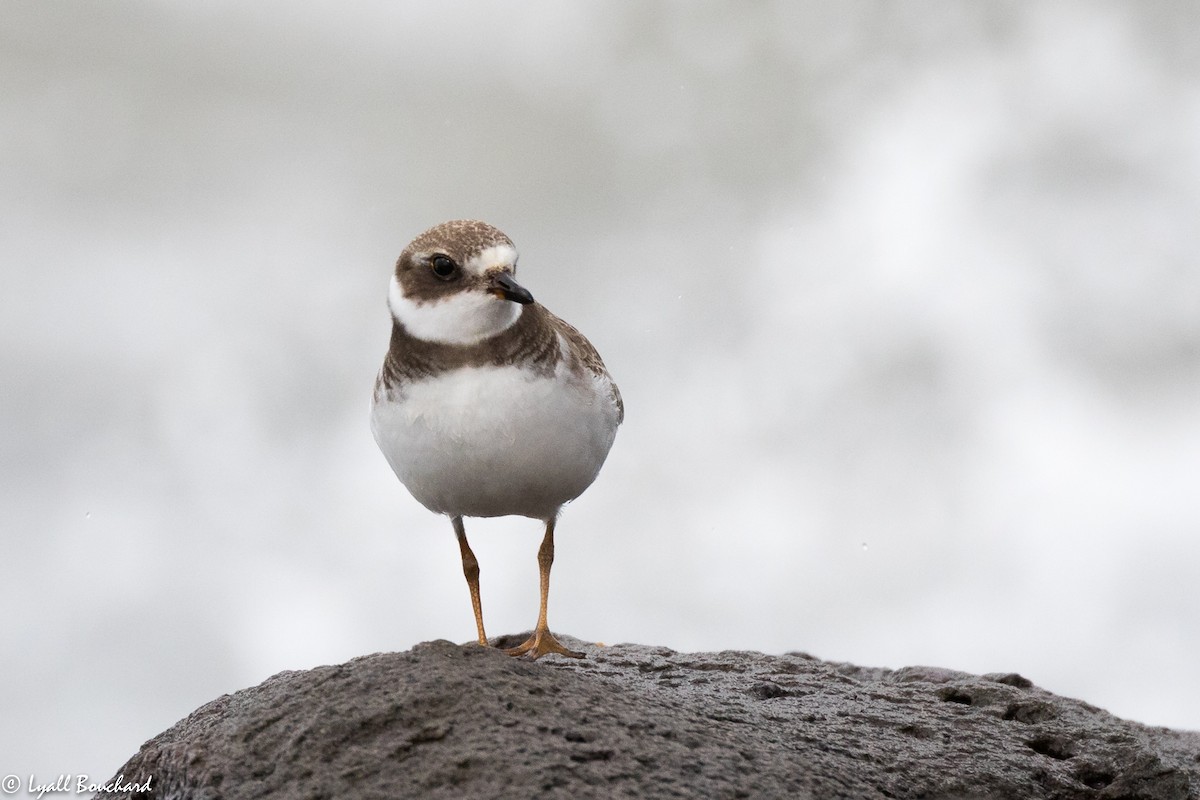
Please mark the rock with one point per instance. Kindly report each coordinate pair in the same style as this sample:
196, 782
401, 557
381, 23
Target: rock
450, 721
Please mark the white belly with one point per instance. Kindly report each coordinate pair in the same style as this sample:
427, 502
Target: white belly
493, 441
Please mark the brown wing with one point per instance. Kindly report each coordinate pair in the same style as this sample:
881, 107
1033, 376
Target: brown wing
585, 354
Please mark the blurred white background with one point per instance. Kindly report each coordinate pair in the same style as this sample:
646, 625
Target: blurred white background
904, 302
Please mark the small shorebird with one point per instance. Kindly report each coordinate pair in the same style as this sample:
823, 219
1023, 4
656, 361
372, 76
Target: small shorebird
487, 404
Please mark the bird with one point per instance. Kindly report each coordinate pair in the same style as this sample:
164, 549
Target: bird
487, 404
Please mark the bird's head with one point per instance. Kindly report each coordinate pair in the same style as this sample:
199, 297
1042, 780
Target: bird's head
456, 284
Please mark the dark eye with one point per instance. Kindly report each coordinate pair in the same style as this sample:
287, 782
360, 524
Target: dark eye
443, 266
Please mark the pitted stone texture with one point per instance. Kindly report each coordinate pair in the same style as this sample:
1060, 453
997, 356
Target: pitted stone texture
450, 721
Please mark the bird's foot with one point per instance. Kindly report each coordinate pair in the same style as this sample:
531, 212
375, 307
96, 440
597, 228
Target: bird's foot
540, 643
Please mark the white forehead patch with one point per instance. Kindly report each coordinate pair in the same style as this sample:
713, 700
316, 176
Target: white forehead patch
498, 255
465, 317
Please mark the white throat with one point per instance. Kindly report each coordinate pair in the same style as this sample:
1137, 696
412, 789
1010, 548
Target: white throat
464, 317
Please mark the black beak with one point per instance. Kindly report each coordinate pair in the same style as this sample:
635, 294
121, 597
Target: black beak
504, 285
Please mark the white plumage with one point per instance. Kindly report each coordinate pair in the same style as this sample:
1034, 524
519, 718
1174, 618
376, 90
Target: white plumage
492, 441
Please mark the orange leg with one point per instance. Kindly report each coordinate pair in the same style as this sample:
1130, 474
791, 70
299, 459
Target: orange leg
542, 641
471, 571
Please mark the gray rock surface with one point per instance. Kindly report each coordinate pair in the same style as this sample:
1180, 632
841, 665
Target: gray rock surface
450, 721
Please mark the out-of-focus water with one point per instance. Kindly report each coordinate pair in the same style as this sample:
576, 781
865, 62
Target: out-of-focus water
904, 303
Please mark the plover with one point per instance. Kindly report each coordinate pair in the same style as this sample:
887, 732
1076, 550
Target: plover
487, 404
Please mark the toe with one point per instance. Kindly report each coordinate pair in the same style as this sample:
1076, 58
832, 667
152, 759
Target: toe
541, 643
